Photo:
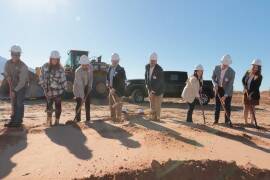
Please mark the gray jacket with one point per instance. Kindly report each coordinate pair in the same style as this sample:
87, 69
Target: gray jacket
17, 73
228, 79
79, 86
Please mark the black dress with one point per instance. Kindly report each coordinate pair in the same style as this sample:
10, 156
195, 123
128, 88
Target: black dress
252, 97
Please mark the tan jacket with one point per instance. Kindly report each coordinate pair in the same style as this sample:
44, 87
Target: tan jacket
79, 86
191, 90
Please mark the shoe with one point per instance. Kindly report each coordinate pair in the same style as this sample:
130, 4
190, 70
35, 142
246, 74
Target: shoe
119, 120
77, 119
7, 124
13, 125
230, 124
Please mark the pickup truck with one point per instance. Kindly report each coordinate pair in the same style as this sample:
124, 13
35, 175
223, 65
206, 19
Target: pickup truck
175, 82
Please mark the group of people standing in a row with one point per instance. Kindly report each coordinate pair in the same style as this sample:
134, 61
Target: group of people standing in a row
223, 80
54, 83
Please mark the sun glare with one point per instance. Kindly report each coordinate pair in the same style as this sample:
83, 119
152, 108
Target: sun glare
49, 6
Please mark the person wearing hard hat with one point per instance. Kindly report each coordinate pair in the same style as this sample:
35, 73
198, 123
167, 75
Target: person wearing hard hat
16, 73
223, 80
116, 78
82, 87
54, 83
154, 80
192, 90
252, 81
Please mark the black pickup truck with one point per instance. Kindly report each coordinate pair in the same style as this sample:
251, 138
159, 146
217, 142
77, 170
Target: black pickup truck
175, 82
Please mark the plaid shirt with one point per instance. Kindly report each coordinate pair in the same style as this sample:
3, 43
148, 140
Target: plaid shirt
53, 81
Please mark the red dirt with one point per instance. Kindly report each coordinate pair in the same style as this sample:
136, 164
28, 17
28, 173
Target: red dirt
189, 170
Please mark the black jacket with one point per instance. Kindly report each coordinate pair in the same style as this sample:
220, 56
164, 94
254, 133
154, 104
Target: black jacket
254, 91
156, 82
119, 79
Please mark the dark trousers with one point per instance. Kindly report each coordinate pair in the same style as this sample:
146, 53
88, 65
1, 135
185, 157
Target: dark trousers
191, 107
219, 106
58, 106
17, 104
87, 106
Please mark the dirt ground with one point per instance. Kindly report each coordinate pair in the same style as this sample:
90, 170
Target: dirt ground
137, 148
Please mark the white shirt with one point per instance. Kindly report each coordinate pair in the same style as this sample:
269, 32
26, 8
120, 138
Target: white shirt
222, 74
112, 75
151, 72
251, 77
85, 78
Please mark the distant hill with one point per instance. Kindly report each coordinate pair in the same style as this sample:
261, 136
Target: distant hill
2, 65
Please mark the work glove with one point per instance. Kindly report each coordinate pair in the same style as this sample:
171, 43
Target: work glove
112, 91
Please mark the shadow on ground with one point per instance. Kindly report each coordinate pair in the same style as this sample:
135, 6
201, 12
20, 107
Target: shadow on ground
72, 138
12, 141
110, 131
242, 139
158, 127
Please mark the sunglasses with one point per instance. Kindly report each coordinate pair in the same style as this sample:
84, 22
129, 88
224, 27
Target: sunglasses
15, 54
56, 59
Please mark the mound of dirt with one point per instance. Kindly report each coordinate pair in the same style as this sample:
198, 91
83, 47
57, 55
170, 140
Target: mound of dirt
190, 170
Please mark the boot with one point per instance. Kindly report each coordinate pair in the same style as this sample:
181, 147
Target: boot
56, 122
49, 120
158, 119
154, 117
120, 120
13, 125
77, 118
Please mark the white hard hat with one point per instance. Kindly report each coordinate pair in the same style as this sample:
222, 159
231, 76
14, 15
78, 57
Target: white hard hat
257, 62
55, 55
199, 67
115, 57
16, 49
226, 59
154, 56
84, 60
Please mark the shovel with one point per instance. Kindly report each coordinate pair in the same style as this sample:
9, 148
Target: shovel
80, 108
223, 106
253, 113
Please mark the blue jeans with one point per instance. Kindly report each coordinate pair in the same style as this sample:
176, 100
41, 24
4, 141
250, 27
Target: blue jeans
17, 104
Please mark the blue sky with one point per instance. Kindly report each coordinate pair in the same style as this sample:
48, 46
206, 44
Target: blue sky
182, 32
